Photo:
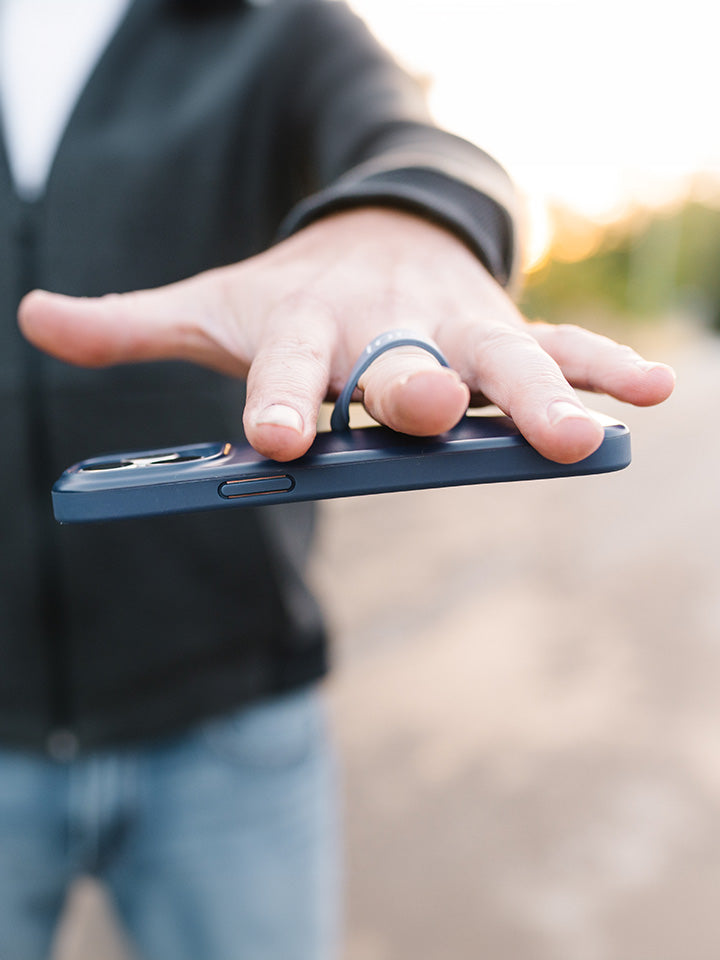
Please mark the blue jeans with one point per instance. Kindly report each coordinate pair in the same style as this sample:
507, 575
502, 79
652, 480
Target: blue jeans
220, 844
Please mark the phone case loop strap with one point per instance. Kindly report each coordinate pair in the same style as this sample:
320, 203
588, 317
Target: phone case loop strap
340, 419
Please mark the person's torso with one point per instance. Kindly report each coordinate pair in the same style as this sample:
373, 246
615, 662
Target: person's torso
173, 161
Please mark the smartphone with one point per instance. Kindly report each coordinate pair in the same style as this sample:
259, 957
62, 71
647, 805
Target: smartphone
482, 448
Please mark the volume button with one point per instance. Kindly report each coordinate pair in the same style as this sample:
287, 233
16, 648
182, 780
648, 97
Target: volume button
256, 486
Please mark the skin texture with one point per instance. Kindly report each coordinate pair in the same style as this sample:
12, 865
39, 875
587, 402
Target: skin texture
294, 319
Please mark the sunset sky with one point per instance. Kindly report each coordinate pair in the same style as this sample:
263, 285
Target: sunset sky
598, 105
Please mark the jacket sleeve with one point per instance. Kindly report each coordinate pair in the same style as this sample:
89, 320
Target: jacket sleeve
361, 134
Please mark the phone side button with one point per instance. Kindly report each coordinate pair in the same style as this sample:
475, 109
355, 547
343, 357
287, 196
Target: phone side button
256, 486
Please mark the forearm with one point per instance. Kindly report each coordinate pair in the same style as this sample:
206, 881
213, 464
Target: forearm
362, 135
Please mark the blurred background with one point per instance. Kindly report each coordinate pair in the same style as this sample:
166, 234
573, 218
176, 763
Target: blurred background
526, 682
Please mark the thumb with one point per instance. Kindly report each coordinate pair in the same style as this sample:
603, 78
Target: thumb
175, 322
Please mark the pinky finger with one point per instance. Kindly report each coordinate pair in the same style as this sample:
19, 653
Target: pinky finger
591, 361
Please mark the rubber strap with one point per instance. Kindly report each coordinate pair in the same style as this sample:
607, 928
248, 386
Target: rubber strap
340, 419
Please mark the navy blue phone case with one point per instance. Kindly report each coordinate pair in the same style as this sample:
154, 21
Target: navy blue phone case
482, 448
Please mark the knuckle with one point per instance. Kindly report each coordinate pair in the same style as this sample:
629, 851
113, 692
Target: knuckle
298, 307
299, 329
568, 336
546, 381
291, 352
502, 340
563, 335
626, 353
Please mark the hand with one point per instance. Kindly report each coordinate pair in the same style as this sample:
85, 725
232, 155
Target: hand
294, 319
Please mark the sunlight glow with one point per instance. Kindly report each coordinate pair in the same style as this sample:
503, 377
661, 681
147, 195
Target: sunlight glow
597, 106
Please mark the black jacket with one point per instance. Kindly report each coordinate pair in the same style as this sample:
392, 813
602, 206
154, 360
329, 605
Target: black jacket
205, 132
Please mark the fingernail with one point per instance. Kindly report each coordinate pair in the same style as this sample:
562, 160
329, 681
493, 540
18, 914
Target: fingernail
445, 371
279, 415
564, 410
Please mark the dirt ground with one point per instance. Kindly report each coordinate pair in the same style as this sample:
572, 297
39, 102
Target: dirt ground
526, 702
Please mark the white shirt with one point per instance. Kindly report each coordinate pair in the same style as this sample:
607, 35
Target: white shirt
48, 50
